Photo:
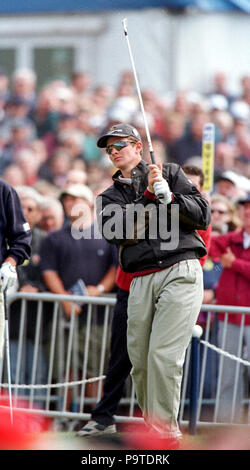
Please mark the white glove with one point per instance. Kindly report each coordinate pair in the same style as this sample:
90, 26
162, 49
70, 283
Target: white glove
161, 189
8, 276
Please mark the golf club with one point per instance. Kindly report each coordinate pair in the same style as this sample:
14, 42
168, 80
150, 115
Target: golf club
151, 151
5, 303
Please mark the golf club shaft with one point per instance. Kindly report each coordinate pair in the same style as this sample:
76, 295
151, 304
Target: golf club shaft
8, 351
151, 151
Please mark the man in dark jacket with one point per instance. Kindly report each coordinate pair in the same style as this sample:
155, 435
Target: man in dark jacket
30, 281
15, 242
159, 244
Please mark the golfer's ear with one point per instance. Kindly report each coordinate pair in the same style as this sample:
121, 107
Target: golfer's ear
139, 145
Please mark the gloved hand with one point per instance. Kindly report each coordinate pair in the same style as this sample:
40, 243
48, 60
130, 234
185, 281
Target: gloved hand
161, 188
8, 276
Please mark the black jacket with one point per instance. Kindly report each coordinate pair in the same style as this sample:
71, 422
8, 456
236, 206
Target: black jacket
140, 249
15, 234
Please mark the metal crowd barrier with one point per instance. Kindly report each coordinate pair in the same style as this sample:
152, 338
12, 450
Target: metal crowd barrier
74, 363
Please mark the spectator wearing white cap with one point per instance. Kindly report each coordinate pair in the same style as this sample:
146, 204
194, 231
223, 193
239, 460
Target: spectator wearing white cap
72, 257
232, 185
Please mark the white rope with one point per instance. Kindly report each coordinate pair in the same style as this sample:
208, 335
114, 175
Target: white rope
225, 353
65, 384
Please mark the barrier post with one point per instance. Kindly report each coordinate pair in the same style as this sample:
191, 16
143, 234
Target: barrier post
194, 392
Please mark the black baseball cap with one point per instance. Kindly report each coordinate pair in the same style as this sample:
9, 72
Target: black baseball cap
118, 130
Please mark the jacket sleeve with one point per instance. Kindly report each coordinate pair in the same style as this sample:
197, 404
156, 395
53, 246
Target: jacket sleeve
194, 210
242, 267
218, 245
16, 229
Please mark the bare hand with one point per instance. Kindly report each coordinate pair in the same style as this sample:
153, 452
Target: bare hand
28, 288
93, 291
70, 307
208, 297
155, 174
227, 258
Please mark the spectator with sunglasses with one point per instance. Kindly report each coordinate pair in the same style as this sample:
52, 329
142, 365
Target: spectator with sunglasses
224, 214
232, 249
167, 287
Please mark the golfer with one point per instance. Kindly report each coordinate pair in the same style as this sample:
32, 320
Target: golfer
167, 287
15, 241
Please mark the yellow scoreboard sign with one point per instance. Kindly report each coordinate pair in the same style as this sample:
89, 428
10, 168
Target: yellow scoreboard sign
208, 156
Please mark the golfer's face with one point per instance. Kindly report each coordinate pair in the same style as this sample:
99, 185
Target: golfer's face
128, 156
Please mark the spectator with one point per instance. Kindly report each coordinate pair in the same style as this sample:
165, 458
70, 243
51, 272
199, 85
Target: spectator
175, 128
52, 214
81, 82
75, 177
231, 185
220, 86
225, 124
29, 165
46, 112
233, 251
224, 158
212, 270
20, 138
45, 188
4, 83
30, 281
13, 175
57, 168
224, 214
72, 195
196, 175
39, 148
24, 85
16, 108
73, 142
191, 143
72, 254
245, 84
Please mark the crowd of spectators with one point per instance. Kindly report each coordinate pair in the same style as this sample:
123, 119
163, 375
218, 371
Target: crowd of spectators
46, 133
48, 141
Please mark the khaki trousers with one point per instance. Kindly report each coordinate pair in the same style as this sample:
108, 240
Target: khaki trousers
162, 309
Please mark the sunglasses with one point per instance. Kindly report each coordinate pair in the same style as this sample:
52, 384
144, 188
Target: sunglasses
118, 146
221, 212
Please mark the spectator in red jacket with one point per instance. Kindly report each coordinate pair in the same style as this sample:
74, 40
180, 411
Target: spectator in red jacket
196, 175
233, 251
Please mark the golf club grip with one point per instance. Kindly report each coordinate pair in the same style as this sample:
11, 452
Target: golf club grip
152, 156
